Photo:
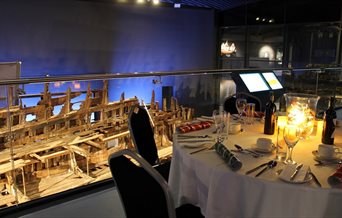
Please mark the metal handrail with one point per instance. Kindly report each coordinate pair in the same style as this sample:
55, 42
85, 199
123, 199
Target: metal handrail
102, 76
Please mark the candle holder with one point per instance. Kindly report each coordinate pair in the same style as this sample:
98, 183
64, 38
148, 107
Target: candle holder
301, 112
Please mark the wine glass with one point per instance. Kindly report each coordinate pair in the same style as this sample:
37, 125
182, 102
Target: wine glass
292, 135
240, 104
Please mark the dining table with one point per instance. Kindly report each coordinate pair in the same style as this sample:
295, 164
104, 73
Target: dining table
200, 176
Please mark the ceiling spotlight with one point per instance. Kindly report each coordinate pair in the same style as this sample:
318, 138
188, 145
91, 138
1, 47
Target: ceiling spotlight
263, 19
155, 2
271, 21
140, 1
258, 18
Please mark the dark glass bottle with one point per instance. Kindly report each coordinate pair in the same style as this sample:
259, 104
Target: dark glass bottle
329, 123
270, 116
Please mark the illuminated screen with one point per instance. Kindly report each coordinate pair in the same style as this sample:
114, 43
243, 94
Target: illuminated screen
272, 80
254, 82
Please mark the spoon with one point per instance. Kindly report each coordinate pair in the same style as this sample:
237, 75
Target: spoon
270, 165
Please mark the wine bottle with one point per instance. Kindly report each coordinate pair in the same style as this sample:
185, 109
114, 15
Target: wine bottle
270, 117
329, 121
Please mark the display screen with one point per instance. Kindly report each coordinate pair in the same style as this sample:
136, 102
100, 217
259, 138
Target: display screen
272, 80
254, 82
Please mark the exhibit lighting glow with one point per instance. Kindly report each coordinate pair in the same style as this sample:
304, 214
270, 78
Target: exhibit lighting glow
155, 2
258, 18
266, 52
140, 1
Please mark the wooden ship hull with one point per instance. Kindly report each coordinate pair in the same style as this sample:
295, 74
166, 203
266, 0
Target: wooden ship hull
54, 153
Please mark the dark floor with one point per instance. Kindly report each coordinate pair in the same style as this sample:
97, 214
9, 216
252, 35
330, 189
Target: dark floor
105, 203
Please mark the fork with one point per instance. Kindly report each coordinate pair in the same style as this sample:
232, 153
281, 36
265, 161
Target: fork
194, 136
203, 149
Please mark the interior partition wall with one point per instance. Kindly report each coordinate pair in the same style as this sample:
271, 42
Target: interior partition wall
64, 37
278, 45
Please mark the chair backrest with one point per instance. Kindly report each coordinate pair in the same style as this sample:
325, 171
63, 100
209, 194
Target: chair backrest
143, 191
229, 103
338, 112
142, 134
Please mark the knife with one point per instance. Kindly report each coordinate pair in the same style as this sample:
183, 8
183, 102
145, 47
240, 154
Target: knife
296, 171
256, 168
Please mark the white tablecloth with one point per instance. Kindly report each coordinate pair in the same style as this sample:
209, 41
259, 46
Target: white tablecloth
203, 179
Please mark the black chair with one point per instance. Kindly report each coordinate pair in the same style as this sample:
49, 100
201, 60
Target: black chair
229, 103
142, 190
143, 138
338, 112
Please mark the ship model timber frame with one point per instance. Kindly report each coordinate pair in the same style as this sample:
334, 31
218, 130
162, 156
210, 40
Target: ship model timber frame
54, 153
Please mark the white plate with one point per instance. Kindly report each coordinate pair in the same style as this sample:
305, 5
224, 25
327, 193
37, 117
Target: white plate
307, 179
255, 148
285, 174
318, 157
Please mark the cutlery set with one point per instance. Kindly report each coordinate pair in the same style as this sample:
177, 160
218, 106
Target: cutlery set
268, 165
246, 151
203, 149
265, 166
194, 136
271, 164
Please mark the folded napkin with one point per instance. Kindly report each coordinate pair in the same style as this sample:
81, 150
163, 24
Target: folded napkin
290, 169
194, 126
232, 161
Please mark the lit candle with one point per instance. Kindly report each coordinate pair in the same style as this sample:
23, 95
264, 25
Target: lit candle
282, 121
319, 127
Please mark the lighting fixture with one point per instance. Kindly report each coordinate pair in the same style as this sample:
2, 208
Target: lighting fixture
155, 2
177, 5
227, 49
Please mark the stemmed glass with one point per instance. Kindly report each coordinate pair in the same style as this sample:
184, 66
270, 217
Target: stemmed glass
240, 104
292, 135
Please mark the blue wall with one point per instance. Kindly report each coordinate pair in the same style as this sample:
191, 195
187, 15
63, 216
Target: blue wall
64, 37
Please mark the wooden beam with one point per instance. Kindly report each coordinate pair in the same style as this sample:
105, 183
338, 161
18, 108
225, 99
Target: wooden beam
116, 136
49, 156
78, 140
97, 145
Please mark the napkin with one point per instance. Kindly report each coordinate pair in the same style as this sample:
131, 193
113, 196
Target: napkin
290, 169
232, 161
194, 126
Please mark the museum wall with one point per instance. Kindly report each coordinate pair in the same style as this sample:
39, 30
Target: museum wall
64, 37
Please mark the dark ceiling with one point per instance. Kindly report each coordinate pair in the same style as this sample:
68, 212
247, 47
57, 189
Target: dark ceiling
212, 4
